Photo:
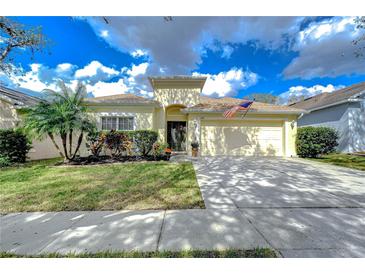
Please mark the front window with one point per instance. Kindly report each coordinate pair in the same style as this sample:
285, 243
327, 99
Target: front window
117, 123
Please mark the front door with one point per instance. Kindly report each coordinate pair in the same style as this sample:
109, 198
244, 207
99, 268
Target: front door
176, 135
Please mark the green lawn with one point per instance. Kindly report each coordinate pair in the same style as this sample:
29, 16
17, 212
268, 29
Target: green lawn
345, 160
229, 253
41, 186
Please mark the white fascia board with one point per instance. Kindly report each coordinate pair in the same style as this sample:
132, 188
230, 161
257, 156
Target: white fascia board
251, 111
336, 104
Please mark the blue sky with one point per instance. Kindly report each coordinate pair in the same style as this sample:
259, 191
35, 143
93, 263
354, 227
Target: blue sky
239, 55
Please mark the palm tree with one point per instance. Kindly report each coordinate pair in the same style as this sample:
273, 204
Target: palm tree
63, 114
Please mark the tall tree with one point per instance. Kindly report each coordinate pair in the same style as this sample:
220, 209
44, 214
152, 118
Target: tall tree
64, 115
360, 41
15, 37
263, 98
295, 98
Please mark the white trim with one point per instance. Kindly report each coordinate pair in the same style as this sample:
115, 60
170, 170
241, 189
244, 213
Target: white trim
251, 111
117, 123
245, 119
336, 104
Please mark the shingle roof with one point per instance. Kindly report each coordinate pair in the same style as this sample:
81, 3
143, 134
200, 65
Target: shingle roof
121, 99
326, 99
157, 81
208, 104
17, 98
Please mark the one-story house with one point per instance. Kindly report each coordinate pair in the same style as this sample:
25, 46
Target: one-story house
343, 110
181, 115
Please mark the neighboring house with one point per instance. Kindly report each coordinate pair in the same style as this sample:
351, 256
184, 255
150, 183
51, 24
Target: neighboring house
343, 110
181, 115
10, 102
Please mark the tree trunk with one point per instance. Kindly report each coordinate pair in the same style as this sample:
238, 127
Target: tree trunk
70, 142
64, 144
5, 53
55, 144
79, 141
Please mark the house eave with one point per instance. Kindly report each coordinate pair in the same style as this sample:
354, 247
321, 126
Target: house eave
336, 104
251, 111
100, 104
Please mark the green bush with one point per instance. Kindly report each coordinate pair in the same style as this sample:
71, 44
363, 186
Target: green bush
313, 142
95, 142
4, 161
144, 140
14, 145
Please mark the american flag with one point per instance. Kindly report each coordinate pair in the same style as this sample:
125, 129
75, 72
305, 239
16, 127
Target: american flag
245, 105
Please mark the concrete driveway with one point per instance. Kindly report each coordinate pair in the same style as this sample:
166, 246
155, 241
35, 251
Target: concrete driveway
301, 208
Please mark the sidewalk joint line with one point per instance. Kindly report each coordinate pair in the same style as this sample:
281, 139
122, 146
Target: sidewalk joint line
161, 229
260, 233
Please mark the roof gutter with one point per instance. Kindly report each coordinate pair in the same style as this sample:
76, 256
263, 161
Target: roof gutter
337, 103
253, 111
95, 104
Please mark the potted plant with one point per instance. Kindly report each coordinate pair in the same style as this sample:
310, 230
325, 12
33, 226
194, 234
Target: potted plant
168, 152
194, 148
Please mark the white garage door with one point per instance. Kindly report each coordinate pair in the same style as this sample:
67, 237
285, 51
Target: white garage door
241, 138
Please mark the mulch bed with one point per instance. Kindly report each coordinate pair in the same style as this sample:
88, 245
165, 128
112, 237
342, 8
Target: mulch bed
105, 159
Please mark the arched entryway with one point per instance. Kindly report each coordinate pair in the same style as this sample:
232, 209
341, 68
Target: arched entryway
176, 127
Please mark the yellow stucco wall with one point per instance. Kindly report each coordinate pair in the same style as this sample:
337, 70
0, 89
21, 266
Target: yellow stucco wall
144, 115
177, 96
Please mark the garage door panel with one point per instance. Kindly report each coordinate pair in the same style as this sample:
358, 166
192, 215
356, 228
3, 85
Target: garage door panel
241, 139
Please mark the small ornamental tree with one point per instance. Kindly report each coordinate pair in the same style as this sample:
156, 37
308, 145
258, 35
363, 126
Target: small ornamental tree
64, 115
313, 142
117, 142
95, 142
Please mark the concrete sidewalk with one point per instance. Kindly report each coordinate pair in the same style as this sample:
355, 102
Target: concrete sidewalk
63, 232
292, 232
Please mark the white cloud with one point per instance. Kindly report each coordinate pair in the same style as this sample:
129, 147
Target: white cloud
108, 88
138, 53
325, 50
227, 51
138, 69
104, 33
65, 66
178, 45
228, 83
305, 92
95, 72
29, 80
99, 79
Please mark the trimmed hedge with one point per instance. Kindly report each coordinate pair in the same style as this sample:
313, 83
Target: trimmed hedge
14, 145
313, 142
144, 140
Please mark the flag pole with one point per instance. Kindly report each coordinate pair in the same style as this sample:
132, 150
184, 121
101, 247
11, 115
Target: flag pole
244, 115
